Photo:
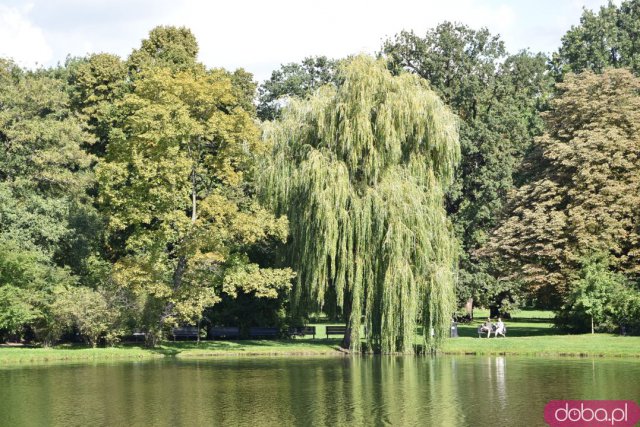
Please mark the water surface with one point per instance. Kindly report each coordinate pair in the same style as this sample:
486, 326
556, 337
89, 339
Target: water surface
431, 391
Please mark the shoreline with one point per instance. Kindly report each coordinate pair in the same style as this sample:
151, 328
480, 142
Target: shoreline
601, 346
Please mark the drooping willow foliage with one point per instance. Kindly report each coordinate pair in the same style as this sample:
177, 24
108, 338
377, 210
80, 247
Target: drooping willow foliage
360, 169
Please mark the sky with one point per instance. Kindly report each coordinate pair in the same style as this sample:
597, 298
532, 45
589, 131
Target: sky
259, 35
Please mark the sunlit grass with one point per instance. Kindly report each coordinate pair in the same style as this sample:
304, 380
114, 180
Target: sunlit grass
529, 332
255, 347
550, 345
72, 353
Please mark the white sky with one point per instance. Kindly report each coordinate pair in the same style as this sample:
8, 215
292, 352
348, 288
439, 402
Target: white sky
259, 35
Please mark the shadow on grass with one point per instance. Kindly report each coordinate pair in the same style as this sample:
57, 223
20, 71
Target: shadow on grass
517, 327
530, 320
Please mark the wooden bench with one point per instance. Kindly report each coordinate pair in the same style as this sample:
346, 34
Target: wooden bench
224, 332
264, 332
186, 332
480, 331
139, 336
493, 331
336, 330
135, 337
300, 331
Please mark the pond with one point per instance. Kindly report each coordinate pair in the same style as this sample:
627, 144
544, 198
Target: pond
437, 391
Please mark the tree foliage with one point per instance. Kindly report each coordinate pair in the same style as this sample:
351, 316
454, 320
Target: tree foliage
129, 189
172, 184
498, 98
593, 300
360, 170
608, 38
170, 47
95, 84
88, 311
585, 194
45, 177
294, 80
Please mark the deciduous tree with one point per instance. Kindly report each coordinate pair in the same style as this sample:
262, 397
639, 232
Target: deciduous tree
361, 169
498, 97
172, 183
608, 38
586, 190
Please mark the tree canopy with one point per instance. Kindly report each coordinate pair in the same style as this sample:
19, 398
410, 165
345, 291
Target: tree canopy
294, 80
498, 98
585, 194
361, 169
172, 186
608, 38
149, 192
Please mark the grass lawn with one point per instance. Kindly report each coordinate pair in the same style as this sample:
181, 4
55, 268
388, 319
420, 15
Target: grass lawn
297, 347
13, 355
598, 345
529, 333
183, 349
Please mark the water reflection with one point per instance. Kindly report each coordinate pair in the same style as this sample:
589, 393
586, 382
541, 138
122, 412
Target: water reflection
439, 391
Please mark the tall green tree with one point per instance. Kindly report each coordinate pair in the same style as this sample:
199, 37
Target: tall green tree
585, 190
294, 80
166, 46
45, 177
360, 170
608, 38
497, 97
95, 83
172, 183
592, 300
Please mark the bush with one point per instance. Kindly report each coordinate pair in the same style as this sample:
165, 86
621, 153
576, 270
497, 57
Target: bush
15, 311
599, 300
88, 311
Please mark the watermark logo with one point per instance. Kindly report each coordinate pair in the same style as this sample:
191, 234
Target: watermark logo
592, 413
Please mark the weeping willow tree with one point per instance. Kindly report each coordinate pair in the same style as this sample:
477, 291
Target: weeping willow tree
360, 169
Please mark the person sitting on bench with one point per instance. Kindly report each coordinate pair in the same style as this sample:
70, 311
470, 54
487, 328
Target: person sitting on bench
487, 327
500, 329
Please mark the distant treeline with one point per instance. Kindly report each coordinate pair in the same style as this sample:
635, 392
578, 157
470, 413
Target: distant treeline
151, 192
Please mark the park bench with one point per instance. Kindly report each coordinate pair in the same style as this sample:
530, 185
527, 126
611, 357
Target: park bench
493, 330
139, 336
300, 331
185, 332
336, 330
480, 331
224, 332
135, 337
255, 332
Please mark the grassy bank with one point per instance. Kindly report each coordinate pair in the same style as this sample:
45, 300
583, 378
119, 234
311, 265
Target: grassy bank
598, 345
13, 355
300, 347
529, 333
303, 347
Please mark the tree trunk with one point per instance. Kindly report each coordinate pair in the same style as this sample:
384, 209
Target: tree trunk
182, 260
468, 308
592, 329
179, 272
494, 311
151, 339
194, 194
346, 339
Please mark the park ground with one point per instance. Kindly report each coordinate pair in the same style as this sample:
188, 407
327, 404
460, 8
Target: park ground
529, 333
